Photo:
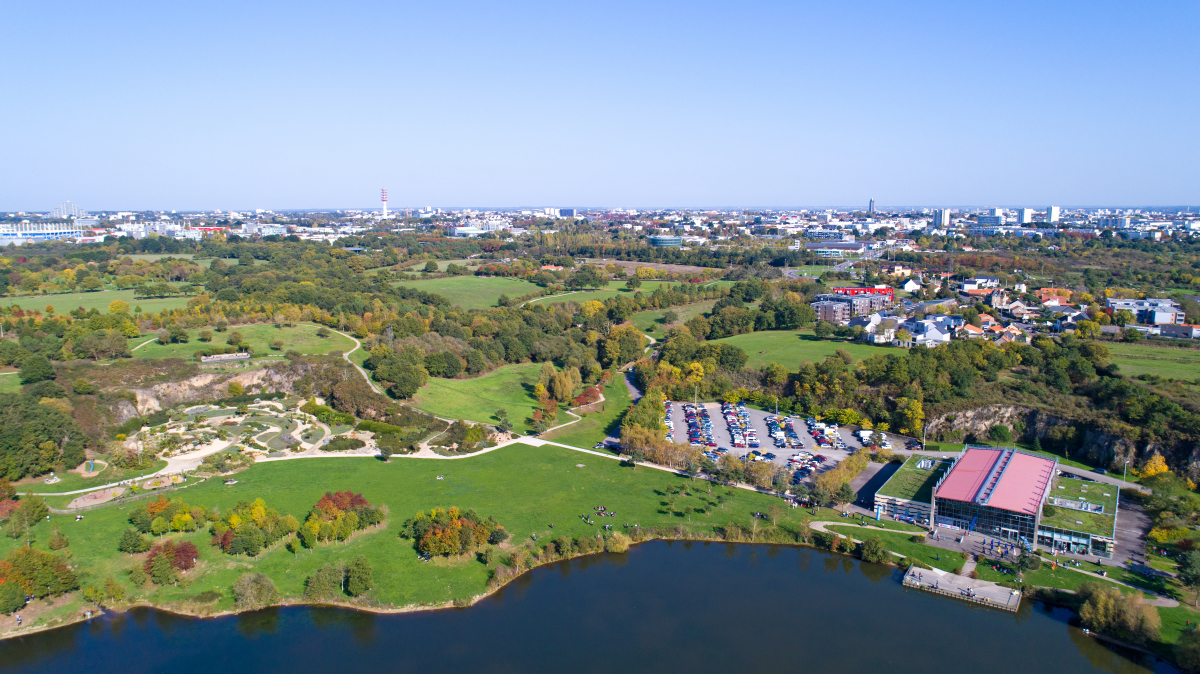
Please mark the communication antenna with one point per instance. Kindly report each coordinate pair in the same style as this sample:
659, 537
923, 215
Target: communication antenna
383, 197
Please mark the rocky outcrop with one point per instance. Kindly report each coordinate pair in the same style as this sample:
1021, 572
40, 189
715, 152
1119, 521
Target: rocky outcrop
977, 422
204, 387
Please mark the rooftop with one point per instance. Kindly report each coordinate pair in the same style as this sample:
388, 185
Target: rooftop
1084, 493
999, 477
915, 484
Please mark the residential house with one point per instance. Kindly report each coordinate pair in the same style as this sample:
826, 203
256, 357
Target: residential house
925, 333
981, 282
1053, 296
1184, 331
896, 270
970, 331
910, 286
877, 328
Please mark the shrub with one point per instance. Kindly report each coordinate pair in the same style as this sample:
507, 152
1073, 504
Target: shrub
874, 551
917, 539
343, 444
617, 542
254, 591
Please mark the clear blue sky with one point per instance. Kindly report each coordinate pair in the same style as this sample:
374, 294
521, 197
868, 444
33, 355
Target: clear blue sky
239, 105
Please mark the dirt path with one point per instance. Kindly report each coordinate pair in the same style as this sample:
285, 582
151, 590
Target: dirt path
357, 346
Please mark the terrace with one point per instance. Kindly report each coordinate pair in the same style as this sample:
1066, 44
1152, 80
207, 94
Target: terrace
915, 480
1078, 505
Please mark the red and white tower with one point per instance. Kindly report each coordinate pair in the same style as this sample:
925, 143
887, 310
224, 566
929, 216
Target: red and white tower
384, 197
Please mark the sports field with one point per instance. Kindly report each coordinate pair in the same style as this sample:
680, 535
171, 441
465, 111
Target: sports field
791, 348
1171, 363
509, 387
473, 292
67, 302
302, 338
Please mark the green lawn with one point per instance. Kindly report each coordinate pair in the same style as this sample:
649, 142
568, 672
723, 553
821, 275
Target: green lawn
581, 296
67, 302
527, 489
1170, 363
155, 257
473, 292
302, 338
598, 425
651, 321
441, 264
10, 382
509, 387
946, 560
791, 348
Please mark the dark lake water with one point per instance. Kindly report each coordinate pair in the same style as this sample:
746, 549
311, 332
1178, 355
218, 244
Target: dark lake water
660, 608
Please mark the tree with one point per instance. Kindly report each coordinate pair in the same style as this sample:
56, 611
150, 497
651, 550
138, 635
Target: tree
359, 577
843, 495
235, 389
634, 283
1028, 562
253, 591
92, 284
36, 368
162, 572
83, 387
1123, 317
874, 551
1189, 573
159, 526
12, 598
323, 332
235, 338
1130, 335
132, 542
118, 307
325, 585
277, 345
823, 330
1000, 433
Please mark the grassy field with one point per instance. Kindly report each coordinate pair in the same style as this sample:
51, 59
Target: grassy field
417, 267
1165, 362
10, 382
651, 321
302, 338
597, 425
66, 302
473, 292
155, 257
527, 489
791, 348
509, 387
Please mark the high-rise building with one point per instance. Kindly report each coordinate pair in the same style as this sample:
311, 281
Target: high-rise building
1052, 214
871, 207
997, 211
67, 209
1024, 216
941, 218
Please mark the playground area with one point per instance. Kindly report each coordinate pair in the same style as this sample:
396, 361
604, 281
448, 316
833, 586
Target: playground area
96, 497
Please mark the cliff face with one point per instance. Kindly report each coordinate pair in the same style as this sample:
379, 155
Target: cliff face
977, 421
1097, 446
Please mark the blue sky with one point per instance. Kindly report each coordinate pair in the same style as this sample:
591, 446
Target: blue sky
239, 105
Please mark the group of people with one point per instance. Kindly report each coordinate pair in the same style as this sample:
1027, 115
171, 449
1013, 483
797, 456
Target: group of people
601, 511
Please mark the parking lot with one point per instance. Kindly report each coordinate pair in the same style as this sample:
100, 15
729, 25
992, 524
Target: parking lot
758, 420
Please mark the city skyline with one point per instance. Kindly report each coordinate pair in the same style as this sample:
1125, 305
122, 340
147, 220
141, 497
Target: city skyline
300, 106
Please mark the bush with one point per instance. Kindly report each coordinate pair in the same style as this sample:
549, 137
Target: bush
617, 542
379, 428
254, 591
917, 539
343, 444
874, 551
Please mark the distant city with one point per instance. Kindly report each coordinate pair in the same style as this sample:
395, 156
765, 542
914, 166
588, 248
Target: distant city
836, 230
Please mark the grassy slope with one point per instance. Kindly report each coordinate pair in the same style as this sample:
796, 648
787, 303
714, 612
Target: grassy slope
938, 558
525, 488
302, 338
1171, 363
791, 348
10, 382
509, 387
596, 426
66, 302
652, 320
473, 292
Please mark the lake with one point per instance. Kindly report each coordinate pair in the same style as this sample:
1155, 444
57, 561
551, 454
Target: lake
662, 607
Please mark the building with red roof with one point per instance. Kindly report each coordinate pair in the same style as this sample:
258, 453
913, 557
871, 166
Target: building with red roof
996, 491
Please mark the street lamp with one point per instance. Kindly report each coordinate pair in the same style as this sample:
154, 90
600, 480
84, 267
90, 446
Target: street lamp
1125, 472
